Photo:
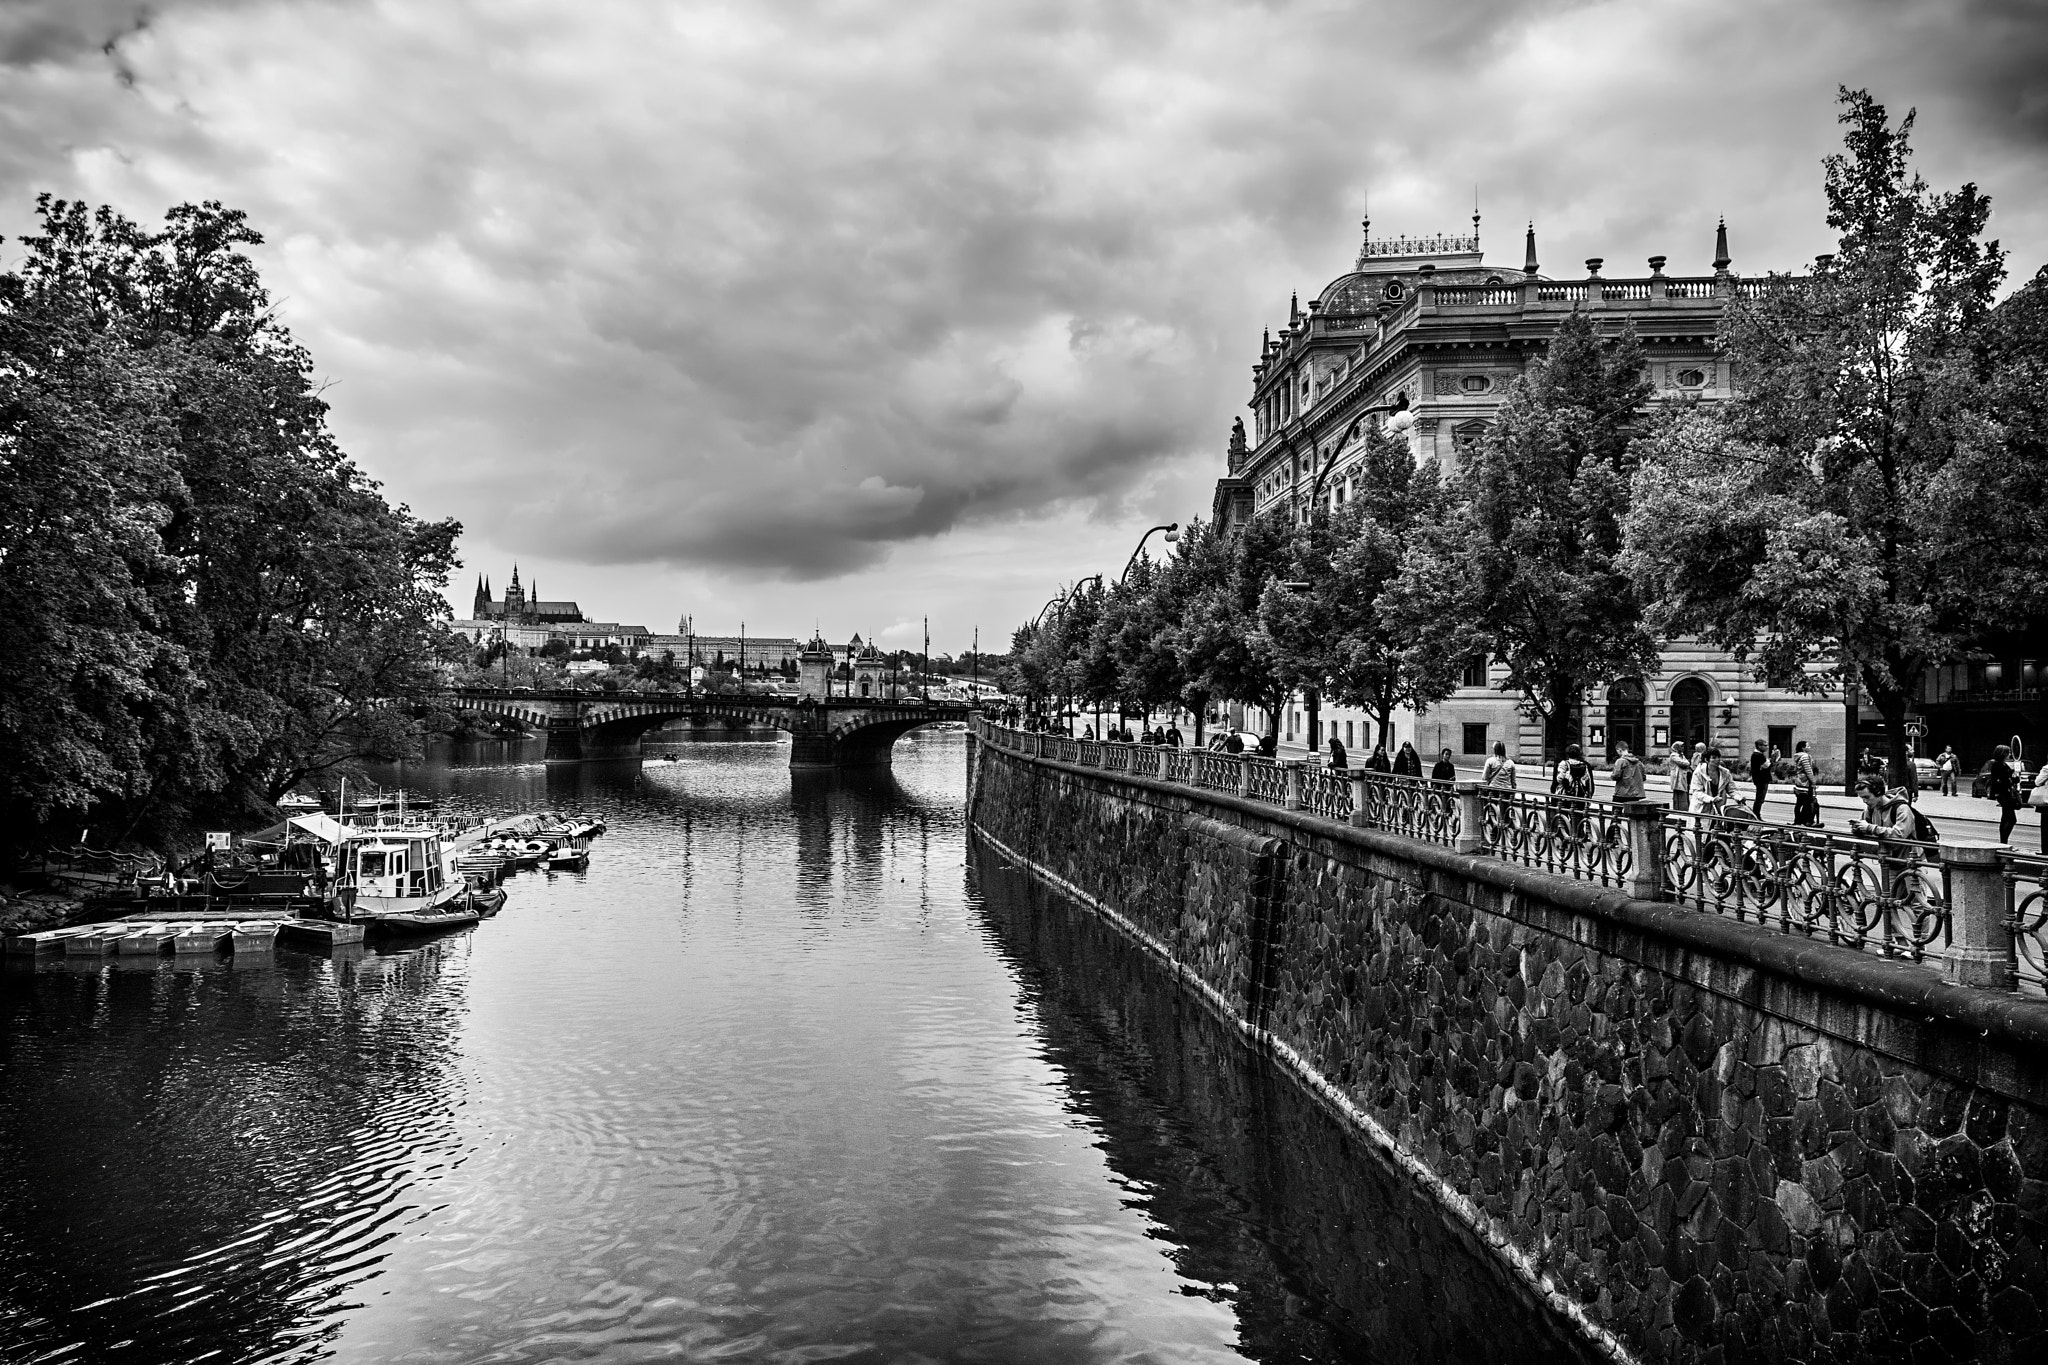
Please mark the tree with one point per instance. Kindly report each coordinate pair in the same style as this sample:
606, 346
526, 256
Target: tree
1338, 635
258, 612
1527, 566
1860, 511
1216, 638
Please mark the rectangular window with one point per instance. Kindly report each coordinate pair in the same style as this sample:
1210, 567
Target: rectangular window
1475, 739
1349, 738
1781, 739
1475, 672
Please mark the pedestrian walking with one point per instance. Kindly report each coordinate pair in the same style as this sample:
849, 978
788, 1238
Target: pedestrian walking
1805, 787
1338, 761
1443, 770
1173, 736
1760, 777
2000, 786
1408, 763
1499, 770
1948, 765
1680, 767
1628, 773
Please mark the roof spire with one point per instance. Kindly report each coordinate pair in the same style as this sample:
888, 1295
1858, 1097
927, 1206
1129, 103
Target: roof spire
1721, 248
1294, 307
1529, 250
1475, 217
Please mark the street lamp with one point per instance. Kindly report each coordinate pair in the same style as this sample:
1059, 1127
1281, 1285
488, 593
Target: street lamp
1172, 529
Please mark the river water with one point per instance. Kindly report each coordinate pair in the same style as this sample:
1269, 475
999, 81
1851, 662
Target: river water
795, 1072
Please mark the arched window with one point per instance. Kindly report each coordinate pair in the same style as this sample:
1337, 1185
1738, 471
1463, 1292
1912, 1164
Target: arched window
1690, 702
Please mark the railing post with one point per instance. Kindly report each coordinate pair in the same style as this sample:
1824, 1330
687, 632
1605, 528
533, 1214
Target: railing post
1981, 950
1645, 880
1244, 775
1358, 816
1471, 818
1038, 744
1292, 801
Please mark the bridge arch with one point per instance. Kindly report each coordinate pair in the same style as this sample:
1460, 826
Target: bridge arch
838, 732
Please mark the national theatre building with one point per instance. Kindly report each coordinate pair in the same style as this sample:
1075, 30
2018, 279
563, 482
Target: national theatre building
1422, 338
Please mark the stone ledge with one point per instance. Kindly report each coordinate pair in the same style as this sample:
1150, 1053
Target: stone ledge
1900, 987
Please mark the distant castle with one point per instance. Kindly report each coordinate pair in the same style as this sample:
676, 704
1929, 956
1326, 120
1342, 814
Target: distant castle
520, 609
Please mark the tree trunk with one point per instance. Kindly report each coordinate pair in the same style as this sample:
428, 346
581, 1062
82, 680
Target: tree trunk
1892, 706
1560, 722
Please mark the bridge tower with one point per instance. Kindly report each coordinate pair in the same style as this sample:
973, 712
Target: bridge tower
814, 670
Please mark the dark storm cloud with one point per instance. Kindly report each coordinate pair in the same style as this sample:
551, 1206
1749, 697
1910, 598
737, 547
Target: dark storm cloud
775, 289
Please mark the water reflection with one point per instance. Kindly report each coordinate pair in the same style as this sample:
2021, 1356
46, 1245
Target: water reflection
770, 1081
207, 1159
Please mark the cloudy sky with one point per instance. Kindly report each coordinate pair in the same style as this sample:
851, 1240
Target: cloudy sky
854, 311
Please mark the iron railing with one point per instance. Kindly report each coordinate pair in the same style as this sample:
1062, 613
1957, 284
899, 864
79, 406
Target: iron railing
1569, 835
2026, 914
1883, 896
1414, 806
1887, 896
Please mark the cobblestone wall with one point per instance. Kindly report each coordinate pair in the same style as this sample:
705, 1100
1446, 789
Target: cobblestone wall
1710, 1142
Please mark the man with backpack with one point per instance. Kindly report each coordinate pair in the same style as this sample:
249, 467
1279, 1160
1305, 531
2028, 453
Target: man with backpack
1573, 776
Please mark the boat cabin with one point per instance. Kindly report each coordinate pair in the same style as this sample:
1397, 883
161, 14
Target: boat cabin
396, 864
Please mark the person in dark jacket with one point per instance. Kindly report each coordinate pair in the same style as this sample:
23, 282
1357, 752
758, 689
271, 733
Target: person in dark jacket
1337, 755
1759, 777
1443, 770
1378, 762
1268, 746
1408, 763
1233, 743
2000, 786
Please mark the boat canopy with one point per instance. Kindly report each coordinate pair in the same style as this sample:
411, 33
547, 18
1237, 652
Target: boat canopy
323, 827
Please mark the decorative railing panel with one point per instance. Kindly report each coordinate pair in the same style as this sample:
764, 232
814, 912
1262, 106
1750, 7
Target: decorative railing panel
1413, 806
1326, 792
1478, 296
1626, 291
1571, 836
2026, 904
1268, 781
1688, 289
1215, 772
1888, 897
1560, 293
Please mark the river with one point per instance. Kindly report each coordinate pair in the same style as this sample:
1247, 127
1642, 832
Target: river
796, 1071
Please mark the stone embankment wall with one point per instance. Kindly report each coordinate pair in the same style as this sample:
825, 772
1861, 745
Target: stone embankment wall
1700, 1140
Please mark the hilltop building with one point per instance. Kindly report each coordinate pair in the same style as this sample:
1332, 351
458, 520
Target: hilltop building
1421, 338
520, 607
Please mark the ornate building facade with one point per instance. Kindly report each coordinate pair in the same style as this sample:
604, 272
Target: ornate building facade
1421, 339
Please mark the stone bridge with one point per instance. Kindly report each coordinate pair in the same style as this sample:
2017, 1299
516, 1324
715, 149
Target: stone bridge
837, 732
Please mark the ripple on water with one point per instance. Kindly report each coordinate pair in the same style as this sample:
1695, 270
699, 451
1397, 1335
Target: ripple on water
769, 1082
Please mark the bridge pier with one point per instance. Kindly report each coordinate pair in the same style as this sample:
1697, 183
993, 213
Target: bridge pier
565, 743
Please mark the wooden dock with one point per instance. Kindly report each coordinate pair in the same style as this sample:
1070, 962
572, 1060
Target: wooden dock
246, 935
